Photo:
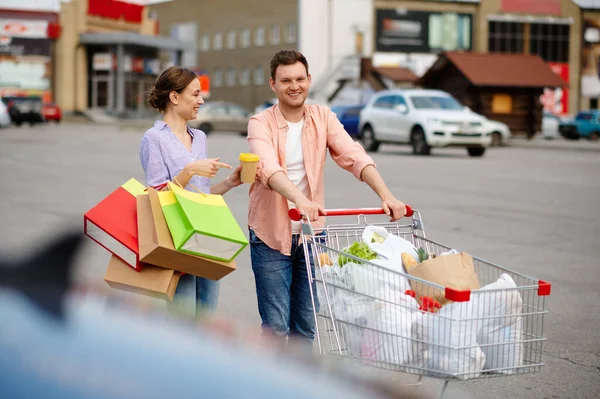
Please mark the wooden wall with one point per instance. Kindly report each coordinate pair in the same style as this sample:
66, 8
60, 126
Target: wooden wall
525, 117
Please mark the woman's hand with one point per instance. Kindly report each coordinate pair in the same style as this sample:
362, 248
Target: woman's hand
234, 179
206, 167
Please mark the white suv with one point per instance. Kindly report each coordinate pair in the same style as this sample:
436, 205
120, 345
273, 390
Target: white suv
424, 119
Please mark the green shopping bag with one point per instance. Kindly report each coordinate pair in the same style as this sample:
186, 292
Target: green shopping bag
202, 224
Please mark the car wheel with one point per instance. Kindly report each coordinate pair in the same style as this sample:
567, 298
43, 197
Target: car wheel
206, 128
594, 136
476, 151
496, 139
18, 123
419, 142
368, 139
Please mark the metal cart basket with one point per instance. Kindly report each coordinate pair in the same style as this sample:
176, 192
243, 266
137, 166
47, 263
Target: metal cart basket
367, 310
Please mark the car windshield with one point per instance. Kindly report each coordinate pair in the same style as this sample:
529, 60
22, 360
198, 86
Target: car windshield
435, 102
584, 116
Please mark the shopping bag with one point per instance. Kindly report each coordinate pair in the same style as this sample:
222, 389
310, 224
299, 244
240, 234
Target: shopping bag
112, 223
202, 224
152, 281
455, 271
156, 244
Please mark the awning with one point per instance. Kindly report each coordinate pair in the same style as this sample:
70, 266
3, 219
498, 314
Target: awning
135, 39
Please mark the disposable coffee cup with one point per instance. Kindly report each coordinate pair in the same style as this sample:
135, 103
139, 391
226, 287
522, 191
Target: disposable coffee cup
249, 164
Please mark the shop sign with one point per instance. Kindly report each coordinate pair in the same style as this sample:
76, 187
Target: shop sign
406, 31
24, 28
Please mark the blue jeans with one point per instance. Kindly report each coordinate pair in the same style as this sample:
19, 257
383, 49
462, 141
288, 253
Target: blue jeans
206, 291
283, 293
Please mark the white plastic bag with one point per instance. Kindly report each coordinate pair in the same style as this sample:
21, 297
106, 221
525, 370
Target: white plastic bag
388, 338
500, 331
446, 341
351, 311
391, 248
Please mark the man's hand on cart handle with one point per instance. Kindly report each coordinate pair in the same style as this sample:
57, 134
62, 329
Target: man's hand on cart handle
394, 208
310, 209
296, 214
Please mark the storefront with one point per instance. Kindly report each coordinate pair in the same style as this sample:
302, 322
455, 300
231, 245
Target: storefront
590, 67
108, 56
550, 29
26, 44
411, 34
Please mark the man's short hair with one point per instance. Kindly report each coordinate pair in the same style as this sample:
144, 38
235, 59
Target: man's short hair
287, 57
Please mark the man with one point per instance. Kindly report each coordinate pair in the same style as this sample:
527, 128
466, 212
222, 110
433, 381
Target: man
292, 139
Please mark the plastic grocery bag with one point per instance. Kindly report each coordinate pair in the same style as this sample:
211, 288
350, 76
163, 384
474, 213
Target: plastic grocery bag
446, 342
340, 302
388, 338
391, 248
500, 331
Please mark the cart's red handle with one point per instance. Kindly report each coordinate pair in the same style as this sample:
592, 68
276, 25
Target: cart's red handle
295, 214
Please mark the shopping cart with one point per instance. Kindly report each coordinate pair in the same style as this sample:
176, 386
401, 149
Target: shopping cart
366, 312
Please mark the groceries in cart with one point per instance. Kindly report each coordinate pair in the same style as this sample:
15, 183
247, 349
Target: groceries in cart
405, 306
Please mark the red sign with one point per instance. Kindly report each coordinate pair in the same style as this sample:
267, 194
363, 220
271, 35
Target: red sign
204, 85
556, 100
544, 7
114, 9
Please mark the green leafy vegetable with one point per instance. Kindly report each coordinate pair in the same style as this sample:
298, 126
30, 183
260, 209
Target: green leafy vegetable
423, 255
358, 249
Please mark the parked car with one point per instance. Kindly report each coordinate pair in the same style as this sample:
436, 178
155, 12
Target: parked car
500, 132
51, 112
586, 124
222, 116
349, 116
424, 119
24, 109
4, 116
267, 104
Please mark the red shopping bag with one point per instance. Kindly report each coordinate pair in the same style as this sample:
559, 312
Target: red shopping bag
112, 223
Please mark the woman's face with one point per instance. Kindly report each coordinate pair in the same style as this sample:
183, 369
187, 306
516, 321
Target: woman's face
189, 100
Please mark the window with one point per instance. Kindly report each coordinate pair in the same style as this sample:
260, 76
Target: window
502, 104
386, 102
231, 77
290, 36
245, 77
506, 37
218, 78
205, 42
259, 37
584, 116
218, 41
435, 102
259, 75
245, 38
231, 40
275, 34
550, 41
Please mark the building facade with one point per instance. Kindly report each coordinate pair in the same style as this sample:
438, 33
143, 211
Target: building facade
235, 40
411, 33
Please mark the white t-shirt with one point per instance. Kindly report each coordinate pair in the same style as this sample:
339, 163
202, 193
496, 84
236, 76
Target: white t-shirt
295, 164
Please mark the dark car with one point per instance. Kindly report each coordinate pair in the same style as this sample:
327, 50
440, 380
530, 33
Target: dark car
24, 109
585, 125
349, 115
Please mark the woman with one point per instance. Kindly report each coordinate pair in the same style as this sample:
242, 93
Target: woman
171, 150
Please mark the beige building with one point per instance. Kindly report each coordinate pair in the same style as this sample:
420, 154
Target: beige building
107, 56
235, 40
552, 30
